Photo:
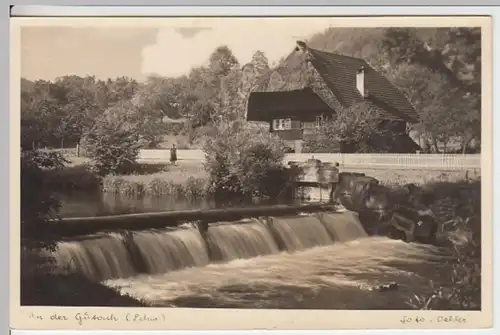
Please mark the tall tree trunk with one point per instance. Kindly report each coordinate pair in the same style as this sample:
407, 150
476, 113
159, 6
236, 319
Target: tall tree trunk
465, 144
435, 144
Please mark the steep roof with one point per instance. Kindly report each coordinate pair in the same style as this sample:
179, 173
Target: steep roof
285, 104
338, 72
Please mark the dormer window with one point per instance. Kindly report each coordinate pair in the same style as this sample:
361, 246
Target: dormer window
360, 81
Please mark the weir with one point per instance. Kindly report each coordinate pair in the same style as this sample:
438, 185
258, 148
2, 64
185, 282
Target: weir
129, 253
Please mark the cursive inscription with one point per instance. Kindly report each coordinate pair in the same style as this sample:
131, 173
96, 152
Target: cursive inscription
36, 316
86, 317
143, 317
81, 318
439, 319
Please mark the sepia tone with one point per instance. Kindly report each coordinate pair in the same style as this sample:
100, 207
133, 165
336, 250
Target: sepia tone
342, 173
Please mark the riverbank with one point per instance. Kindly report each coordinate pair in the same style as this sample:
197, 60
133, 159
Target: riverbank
72, 290
189, 177
180, 180
183, 178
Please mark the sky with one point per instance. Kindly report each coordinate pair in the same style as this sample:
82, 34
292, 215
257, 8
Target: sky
169, 49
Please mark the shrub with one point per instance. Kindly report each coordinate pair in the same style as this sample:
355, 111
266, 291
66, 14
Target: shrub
245, 162
114, 141
354, 129
38, 204
458, 205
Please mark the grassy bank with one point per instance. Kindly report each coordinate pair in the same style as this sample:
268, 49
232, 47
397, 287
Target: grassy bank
71, 290
181, 180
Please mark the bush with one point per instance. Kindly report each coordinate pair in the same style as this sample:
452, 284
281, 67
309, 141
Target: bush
458, 205
244, 162
114, 142
354, 129
38, 203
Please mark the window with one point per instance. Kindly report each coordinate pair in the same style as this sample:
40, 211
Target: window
276, 124
318, 121
282, 124
309, 125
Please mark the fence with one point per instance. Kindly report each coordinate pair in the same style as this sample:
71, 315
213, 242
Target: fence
402, 161
163, 155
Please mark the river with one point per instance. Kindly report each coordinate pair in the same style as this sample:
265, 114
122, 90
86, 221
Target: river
339, 276
101, 204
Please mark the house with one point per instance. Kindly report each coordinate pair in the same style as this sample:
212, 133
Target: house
311, 84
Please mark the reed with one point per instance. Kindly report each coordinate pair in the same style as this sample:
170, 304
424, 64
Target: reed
155, 185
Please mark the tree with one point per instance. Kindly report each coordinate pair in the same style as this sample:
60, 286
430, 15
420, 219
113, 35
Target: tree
114, 142
231, 97
243, 163
38, 204
79, 98
222, 61
40, 113
260, 63
445, 110
354, 129
120, 89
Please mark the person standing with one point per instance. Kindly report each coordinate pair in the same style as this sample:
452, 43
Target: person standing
173, 154
334, 180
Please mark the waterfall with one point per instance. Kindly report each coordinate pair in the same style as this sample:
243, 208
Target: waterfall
244, 239
127, 254
344, 226
299, 232
99, 257
168, 250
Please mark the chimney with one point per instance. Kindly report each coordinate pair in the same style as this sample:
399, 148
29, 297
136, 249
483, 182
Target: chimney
360, 82
301, 45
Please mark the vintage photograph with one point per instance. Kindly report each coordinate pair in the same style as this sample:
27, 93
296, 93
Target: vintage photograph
251, 163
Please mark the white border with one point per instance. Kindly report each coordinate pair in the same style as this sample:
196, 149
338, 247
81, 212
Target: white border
315, 11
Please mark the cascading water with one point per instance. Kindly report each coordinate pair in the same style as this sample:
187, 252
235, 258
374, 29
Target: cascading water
99, 257
129, 254
168, 250
245, 239
344, 226
299, 232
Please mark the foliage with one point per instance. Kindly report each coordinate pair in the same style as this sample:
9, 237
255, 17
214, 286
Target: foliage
447, 60
446, 112
242, 162
461, 237
38, 204
438, 68
222, 61
354, 129
58, 113
114, 142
